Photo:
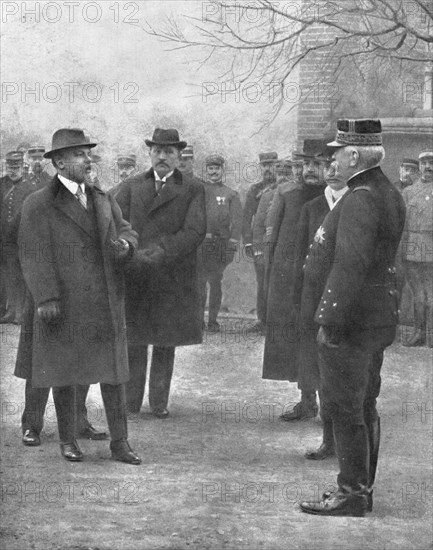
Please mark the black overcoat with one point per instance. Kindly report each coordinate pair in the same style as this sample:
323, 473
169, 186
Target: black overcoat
163, 306
66, 255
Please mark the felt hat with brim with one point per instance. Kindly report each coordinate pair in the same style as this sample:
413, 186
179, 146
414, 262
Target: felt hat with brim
14, 158
362, 132
310, 149
166, 137
67, 138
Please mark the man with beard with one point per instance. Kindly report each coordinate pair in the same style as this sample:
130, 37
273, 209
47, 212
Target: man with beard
253, 249
223, 233
14, 189
351, 260
409, 173
306, 299
417, 250
279, 342
73, 333
163, 306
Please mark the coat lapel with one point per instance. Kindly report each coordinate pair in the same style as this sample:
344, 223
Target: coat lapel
168, 192
102, 211
65, 202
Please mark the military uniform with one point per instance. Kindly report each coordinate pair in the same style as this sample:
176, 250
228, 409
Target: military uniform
12, 196
223, 232
252, 248
352, 260
417, 257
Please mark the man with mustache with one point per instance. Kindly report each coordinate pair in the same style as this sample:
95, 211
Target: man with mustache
417, 250
279, 342
74, 244
163, 307
38, 171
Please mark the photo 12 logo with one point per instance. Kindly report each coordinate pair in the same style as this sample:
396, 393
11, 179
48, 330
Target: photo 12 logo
70, 12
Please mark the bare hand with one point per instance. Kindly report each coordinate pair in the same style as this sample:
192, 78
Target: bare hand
49, 312
120, 248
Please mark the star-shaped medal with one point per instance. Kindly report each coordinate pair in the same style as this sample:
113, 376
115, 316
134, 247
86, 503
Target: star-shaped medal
319, 237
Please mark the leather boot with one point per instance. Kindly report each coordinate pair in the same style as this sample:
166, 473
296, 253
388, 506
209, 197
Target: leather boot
351, 441
374, 442
418, 337
327, 448
307, 408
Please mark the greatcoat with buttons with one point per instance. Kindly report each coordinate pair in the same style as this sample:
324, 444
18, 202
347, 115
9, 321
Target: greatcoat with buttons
66, 255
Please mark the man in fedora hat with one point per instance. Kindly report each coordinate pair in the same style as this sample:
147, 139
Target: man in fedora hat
252, 249
417, 251
351, 261
73, 247
163, 308
223, 233
14, 189
280, 349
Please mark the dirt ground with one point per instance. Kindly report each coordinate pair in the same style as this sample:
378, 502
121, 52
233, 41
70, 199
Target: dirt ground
222, 471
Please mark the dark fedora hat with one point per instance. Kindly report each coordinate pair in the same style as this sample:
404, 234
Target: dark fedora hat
310, 149
65, 138
166, 137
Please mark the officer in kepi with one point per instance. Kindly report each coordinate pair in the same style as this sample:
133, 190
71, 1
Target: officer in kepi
352, 261
126, 165
223, 233
38, 173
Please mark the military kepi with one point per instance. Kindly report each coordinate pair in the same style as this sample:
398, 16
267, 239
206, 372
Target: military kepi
14, 157
215, 159
65, 138
364, 131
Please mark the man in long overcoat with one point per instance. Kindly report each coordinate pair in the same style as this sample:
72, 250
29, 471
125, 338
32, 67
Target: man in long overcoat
163, 306
73, 246
281, 339
352, 261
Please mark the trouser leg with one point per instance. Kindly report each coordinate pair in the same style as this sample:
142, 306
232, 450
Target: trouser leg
114, 400
137, 377
202, 282
344, 379
371, 417
65, 403
82, 418
261, 295
161, 373
215, 294
415, 281
34, 409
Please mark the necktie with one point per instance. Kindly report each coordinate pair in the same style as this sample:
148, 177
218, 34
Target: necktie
81, 197
158, 185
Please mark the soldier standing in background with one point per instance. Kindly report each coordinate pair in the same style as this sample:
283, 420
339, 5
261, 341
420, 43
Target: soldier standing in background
417, 250
254, 194
38, 174
409, 173
14, 189
223, 233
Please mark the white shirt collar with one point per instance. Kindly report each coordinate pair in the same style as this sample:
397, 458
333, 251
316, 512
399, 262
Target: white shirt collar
332, 197
165, 178
72, 186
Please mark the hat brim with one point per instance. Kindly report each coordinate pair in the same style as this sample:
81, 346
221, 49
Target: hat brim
49, 154
335, 144
178, 144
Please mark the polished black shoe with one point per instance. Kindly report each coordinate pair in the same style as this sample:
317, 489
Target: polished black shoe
31, 438
160, 413
324, 451
90, 433
417, 339
71, 451
213, 327
121, 451
327, 494
300, 412
337, 504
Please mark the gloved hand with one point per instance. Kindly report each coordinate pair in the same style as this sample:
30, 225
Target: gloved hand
330, 337
49, 311
121, 248
152, 255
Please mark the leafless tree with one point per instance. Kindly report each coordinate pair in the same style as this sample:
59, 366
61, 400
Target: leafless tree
266, 40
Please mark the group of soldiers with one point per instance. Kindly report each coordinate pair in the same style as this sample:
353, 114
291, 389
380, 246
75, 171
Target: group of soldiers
106, 275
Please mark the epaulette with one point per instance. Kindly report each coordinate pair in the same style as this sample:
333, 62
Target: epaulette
365, 187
